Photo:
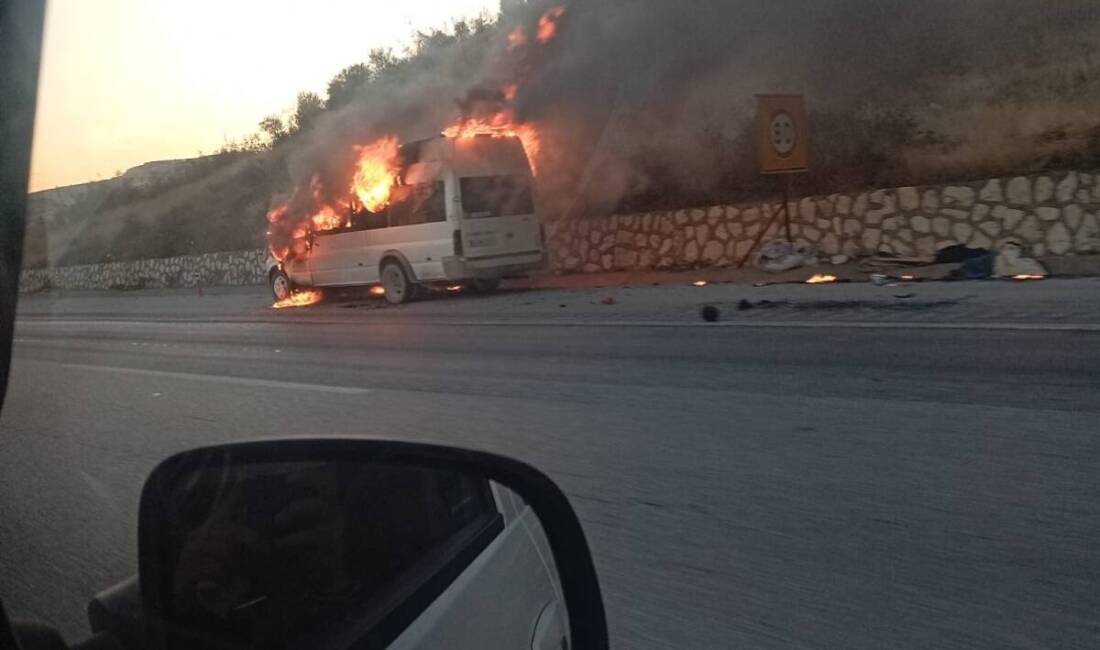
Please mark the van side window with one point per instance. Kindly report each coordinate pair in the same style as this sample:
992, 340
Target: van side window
366, 220
416, 204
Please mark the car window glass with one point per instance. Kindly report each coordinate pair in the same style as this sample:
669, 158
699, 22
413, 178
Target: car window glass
367, 220
411, 205
310, 545
496, 196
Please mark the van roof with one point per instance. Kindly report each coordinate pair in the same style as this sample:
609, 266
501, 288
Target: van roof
481, 155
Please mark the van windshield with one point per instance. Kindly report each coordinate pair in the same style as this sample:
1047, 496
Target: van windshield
496, 196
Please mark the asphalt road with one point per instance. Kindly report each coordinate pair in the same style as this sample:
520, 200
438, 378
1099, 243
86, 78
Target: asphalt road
740, 487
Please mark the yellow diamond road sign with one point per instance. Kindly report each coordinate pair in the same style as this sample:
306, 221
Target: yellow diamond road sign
782, 136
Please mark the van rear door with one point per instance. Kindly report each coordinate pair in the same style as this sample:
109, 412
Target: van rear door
498, 216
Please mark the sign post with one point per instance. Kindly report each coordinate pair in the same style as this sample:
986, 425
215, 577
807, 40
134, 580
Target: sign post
783, 148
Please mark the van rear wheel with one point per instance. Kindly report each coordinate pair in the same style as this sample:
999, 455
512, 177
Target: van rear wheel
399, 288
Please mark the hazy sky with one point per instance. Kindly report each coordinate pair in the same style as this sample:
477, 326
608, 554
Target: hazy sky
128, 81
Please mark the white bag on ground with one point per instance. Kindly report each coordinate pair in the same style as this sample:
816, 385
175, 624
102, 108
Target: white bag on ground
1010, 261
780, 255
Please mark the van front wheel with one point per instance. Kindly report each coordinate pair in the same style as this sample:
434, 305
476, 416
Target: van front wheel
399, 288
281, 286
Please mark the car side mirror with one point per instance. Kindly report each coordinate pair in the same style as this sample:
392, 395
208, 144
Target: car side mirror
339, 543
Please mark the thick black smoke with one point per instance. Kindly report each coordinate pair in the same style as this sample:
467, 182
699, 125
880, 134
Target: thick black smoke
646, 103
654, 98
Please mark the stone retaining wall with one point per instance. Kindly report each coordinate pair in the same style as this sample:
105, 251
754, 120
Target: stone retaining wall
1050, 214
235, 268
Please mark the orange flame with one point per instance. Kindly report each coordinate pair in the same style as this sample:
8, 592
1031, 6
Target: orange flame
276, 214
517, 38
375, 174
510, 92
821, 278
500, 126
325, 218
300, 299
548, 24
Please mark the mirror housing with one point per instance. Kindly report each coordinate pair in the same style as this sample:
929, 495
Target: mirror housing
576, 578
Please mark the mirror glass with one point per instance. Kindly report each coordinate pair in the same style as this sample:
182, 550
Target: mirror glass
344, 554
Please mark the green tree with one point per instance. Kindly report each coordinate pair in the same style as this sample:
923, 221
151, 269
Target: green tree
342, 87
481, 25
254, 142
274, 129
433, 39
462, 29
381, 61
309, 107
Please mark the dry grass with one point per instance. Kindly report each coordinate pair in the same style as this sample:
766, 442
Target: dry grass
1000, 139
1036, 111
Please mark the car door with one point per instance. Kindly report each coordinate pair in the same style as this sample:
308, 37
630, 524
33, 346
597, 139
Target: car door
331, 256
297, 269
536, 616
499, 216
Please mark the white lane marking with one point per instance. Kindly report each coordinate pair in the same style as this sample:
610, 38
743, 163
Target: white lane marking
220, 379
1022, 327
884, 325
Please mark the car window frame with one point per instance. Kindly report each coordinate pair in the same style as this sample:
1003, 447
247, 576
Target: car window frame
579, 582
423, 583
380, 620
21, 27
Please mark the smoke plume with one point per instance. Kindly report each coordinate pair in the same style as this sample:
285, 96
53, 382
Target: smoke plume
646, 103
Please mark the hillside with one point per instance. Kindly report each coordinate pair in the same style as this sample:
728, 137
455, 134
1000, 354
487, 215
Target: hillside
158, 209
642, 105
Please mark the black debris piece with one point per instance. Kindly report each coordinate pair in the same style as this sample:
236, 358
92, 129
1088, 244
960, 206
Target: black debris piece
957, 254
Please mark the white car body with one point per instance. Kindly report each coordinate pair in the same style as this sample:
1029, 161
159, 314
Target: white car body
446, 223
509, 597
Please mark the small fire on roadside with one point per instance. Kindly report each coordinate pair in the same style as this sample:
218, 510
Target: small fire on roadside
1023, 277
821, 278
699, 283
300, 299
454, 288
378, 290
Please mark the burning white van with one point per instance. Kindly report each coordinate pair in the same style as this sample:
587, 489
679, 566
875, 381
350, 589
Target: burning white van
461, 212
